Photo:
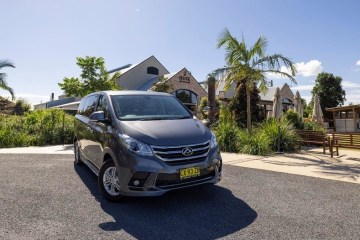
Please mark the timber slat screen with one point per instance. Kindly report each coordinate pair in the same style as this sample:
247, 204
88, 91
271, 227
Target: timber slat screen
344, 140
314, 137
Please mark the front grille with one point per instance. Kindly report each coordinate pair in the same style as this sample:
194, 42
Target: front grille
173, 155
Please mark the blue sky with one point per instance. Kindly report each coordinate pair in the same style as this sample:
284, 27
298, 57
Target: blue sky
44, 37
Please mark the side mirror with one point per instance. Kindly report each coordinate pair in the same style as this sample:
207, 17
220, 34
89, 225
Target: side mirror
99, 116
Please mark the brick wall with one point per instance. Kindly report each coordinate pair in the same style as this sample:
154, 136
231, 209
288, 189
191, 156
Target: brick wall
184, 80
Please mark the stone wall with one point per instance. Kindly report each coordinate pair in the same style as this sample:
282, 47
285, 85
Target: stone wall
286, 92
184, 80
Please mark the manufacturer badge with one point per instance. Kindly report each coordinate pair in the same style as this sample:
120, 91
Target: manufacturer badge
187, 151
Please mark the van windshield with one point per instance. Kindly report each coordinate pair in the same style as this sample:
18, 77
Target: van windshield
148, 107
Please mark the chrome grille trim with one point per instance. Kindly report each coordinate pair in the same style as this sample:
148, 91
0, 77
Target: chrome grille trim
179, 151
181, 146
174, 153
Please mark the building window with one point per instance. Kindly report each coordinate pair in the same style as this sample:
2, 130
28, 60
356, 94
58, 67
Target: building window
286, 103
186, 96
153, 71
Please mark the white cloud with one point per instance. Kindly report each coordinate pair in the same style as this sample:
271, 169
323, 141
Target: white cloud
349, 84
353, 97
311, 68
31, 98
302, 88
307, 98
358, 63
26, 95
308, 69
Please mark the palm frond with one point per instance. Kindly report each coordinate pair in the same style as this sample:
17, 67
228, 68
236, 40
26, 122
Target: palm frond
9, 89
235, 51
3, 83
282, 74
262, 83
5, 63
274, 62
259, 47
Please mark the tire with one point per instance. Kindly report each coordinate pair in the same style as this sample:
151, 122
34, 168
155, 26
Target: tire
77, 158
108, 181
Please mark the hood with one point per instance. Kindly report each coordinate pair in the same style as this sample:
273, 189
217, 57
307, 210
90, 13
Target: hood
167, 132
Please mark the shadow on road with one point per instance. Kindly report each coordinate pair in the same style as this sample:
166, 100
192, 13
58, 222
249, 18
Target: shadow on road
205, 212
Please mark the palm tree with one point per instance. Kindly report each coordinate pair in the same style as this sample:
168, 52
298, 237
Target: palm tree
250, 65
3, 83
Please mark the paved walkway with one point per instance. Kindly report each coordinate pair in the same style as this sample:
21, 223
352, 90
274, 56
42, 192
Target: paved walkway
308, 162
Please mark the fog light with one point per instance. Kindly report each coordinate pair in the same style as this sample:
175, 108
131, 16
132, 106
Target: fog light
136, 182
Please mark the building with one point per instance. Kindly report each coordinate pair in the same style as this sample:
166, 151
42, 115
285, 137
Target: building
266, 99
287, 98
70, 104
346, 118
142, 77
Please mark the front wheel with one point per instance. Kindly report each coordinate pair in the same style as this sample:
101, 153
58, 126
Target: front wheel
77, 154
109, 182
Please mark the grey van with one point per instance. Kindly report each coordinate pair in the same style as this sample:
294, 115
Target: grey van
143, 144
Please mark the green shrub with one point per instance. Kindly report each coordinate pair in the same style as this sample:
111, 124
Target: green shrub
226, 132
294, 118
314, 126
254, 142
282, 130
21, 106
43, 127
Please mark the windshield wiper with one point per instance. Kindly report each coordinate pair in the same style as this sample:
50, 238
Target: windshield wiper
183, 117
153, 118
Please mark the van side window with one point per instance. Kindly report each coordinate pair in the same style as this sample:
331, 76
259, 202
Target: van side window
81, 106
103, 106
89, 106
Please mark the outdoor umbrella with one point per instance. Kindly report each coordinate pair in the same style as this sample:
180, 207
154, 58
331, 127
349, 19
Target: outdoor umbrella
298, 108
277, 104
317, 112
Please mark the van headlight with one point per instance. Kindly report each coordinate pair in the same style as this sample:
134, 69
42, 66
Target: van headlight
135, 146
213, 141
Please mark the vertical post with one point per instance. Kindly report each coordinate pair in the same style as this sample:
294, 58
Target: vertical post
354, 118
211, 99
279, 149
53, 127
63, 128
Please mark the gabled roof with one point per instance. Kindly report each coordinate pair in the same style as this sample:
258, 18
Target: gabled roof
268, 95
170, 75
122, 68
148, 84
137, 76
127, 69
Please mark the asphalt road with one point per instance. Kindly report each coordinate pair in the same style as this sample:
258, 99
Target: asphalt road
47, 197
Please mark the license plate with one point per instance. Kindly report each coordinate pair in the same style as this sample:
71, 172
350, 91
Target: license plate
189, 172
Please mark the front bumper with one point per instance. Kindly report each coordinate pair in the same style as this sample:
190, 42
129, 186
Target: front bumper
150, 176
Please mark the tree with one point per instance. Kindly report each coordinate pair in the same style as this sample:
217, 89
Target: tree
330, 92
161, 85
250, 66
204, 103
306, 108
3, 83
94, 77
238, 105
